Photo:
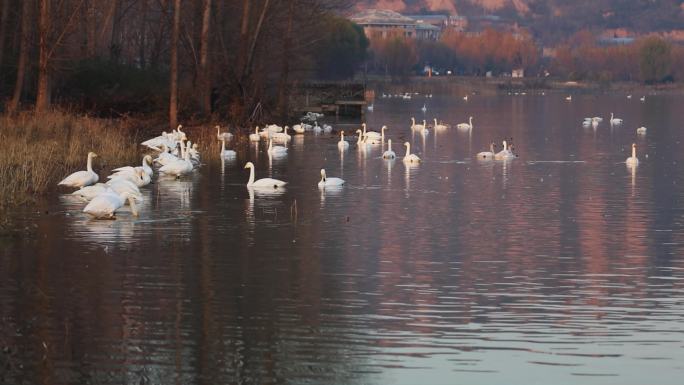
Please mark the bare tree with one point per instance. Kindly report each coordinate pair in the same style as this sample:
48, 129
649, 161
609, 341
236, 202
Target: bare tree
205, 71
43, 95
23, 55
3, 27
173, 98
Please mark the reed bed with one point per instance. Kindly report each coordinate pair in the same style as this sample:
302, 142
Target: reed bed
41, 149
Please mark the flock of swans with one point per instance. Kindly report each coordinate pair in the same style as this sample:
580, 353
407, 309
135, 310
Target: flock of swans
177, 156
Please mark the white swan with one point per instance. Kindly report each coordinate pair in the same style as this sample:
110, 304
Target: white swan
424, 108
227, 136
90, 192
373, 137
138, 177
504, 154
416, 126
360, 140
281, 136
632, 160
226, 153
263, 182
276, 150
466, 126
641, 130
255, 137
327, 128
299, 128
342, 144
120, 186
328, 182
439, 126
614, 121
371, 107
389, 154
568, 98
487, 154
146, 163
643, 98
106, 204
465, 98
410, 158
316, 128
180, 166
82, 178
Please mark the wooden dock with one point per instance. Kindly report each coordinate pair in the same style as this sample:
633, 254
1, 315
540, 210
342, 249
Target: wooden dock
338, 98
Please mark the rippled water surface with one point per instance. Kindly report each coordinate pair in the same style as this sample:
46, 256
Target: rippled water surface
562, 266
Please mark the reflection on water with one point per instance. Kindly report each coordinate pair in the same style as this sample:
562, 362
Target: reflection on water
561, 264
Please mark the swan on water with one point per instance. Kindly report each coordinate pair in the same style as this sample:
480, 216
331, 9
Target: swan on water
389, 154
182, 165
439, 126
104, 206
416, 126
568, 98
82, 178
138, 177
466, 126
487, 154
641, 130
255, 137
328, 182
299, 128
90, 192
424, 108
410, 158
342, 144
146, 163
316, 128
632, 160
614, 121
276, 150
263, 182
281, 136
227, 136
504, 154
226, 153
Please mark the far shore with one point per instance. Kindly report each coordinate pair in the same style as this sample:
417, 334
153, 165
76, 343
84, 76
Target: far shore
505, 84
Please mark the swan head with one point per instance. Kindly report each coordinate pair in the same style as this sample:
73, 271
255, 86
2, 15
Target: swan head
249, 165
148, 159
407, 144
384, 128
359, 131
92, 155
179, 127
323, 173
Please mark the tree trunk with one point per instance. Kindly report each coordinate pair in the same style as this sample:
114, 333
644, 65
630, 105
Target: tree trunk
173, 99
285, 69
244, 39
205, 75
114, 41
143, 32
3, 30
23, 55
43, 96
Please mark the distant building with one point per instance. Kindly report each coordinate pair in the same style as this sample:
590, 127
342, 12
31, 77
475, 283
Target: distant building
382, 23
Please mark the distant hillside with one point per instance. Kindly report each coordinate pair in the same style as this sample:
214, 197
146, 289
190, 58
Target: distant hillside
553, 20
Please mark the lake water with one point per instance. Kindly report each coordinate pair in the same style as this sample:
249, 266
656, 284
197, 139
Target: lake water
562, 266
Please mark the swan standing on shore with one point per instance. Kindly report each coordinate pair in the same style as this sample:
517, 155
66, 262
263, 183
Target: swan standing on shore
329, 182
632, 161
342, 144
263, 182
389, 154
104, 206
410, 158
82, 178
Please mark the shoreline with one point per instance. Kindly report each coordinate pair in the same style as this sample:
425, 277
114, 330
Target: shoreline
527, 84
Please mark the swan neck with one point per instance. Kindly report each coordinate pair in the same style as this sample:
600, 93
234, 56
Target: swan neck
251, 176
223, 146
90, 163
408, 149
633, 152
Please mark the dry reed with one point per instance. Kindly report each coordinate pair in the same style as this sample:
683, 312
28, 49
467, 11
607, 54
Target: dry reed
41, 149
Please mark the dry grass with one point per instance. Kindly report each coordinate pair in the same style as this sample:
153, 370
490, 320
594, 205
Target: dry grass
40, 149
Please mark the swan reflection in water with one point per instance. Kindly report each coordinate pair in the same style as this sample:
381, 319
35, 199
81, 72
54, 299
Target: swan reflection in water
329, 191
409, 168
